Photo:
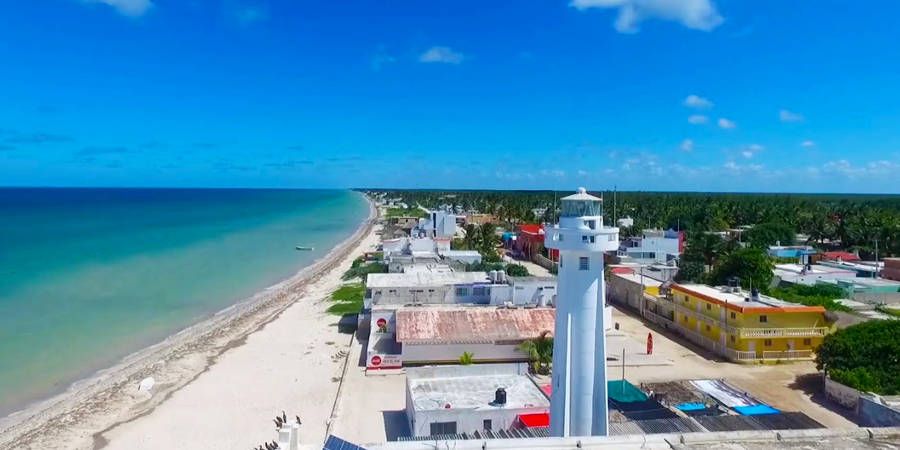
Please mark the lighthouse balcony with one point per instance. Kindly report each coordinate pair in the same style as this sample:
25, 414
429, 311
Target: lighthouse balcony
582, 239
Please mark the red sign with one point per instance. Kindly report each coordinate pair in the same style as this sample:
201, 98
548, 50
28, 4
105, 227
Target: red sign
381, 322
376, 360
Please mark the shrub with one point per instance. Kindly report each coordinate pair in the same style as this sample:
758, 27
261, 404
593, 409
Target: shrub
864, 356
467, 358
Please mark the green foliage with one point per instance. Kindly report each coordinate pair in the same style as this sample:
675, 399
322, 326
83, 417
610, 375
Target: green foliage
467, 358
818, 295
361, 270
864, 356
408, 212
691, 271
348, 299
888, 311
854, 220
516, 270
540, 352
772, 233
513, 270
751, 265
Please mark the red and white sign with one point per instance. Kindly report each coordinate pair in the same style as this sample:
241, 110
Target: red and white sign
384, 362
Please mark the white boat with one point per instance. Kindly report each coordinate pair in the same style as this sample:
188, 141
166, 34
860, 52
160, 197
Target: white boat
304, 248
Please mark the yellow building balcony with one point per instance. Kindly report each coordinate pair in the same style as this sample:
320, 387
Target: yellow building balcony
792, 332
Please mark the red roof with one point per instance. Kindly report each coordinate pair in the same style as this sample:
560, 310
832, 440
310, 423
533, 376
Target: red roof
471, 324
843, 256
538, 420
531, 228
622, 270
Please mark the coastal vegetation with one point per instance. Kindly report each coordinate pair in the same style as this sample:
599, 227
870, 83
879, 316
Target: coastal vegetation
849, 221
467, 358
865, 356
482, 238
540, 352
347, 299
361, 268
405, 212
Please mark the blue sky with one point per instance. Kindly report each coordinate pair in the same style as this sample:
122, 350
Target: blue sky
643, 94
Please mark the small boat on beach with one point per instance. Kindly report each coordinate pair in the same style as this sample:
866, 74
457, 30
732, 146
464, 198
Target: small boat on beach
304, 248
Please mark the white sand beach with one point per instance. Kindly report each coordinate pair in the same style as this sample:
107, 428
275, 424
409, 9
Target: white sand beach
218, 384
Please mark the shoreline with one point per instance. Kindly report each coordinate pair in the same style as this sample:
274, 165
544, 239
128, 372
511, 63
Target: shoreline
109, 397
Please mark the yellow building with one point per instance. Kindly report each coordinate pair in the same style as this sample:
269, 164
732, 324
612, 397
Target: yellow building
744, 327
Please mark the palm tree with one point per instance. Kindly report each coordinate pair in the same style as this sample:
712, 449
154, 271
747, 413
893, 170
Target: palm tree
540, 352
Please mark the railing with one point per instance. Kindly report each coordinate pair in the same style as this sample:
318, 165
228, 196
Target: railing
739, 355
787, 354
782, 332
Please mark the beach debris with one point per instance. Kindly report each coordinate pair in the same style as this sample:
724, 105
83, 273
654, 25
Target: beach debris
146, 384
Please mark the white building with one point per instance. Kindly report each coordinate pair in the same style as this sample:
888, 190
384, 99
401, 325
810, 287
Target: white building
811, 274
445, 400
400, 253
434, 335
438, 224
579, 402
654, 246
388, 295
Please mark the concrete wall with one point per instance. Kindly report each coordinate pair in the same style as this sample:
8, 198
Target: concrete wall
467, 420
413, 354
873, 413
843, 395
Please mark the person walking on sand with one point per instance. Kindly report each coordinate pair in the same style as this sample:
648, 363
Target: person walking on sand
649, 343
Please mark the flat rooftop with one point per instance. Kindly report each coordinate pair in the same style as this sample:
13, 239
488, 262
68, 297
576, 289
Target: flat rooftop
738, 300
635, 278
433, 389
471, 324
815, 269
424, 278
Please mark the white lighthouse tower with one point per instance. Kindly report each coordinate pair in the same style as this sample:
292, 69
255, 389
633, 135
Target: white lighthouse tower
578, 404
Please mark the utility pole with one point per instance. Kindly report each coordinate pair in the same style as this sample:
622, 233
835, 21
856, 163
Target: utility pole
876, 259
615, 216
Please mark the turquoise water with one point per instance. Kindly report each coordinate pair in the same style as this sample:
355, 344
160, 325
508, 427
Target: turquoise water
88, 276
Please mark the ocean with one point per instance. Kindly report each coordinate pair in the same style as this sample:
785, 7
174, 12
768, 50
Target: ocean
88, 276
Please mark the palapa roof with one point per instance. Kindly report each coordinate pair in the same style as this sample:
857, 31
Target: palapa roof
471, 324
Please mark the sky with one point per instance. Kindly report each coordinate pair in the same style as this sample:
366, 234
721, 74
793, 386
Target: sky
687, 95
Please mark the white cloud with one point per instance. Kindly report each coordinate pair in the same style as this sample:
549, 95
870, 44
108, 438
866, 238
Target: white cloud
877, 168
687, 145
807, 144
698, 102
693, 14
726, 124
751, 150
736, 168
581, 173
439, 54
558, 173
789, 116
130, 8
698, 119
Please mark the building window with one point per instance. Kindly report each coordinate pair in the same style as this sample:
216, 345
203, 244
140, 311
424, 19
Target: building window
807, 341
487, 425
561, 236
439, 428
708, 307
462, 291
732, 339
584, 238
763, 319
431, 290
733, 316
592, 239
478, 290
392, 291
584, 263
592, 224
767, 342
708, 328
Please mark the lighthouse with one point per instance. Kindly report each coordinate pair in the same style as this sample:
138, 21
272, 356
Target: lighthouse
578, 406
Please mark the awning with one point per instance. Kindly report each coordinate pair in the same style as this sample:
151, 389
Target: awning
539, 420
